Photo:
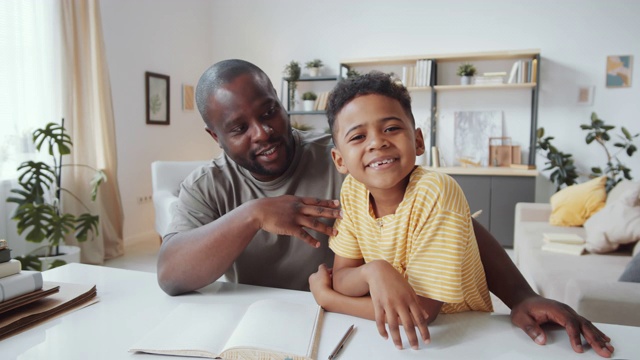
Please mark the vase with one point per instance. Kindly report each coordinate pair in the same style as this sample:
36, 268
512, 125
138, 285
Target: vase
68, 254
308, 105
465, 80
314, 71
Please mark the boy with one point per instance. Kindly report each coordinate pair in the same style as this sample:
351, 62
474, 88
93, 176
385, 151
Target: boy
406, 236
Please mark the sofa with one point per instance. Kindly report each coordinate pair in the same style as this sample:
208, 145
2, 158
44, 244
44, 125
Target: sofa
588, 283
166, 177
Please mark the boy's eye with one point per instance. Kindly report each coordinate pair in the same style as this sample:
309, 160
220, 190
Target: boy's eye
356, 137
392, 128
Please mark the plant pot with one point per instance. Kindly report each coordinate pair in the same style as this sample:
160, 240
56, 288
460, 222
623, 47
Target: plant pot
308, 105
465, 80
314, 71
69, 254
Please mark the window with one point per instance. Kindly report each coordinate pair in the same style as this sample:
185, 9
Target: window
30, 69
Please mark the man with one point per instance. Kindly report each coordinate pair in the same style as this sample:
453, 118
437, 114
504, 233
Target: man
259, 214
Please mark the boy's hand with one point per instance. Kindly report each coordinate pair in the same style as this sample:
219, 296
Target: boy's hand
320, 283
395, 302
290, 215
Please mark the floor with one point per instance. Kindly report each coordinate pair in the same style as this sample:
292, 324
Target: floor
142, 254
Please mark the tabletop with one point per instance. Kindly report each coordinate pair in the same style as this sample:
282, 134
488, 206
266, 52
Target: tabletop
131, 304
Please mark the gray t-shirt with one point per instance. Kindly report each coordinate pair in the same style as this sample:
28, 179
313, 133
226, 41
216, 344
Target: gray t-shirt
271, 260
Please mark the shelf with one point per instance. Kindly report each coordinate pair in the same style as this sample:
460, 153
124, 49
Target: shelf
302, 112
485, 171
316, 78
485, 86
473, 56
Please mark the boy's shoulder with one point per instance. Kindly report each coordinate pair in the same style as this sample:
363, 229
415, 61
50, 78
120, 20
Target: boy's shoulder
422, 176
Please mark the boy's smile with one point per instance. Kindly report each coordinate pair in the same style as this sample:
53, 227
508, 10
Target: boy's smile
376, 143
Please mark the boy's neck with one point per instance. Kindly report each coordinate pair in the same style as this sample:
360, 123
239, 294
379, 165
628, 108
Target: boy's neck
386, 202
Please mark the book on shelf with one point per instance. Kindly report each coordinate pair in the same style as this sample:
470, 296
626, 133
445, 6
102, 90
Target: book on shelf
564, 248
265, 329
563, 238
534, 71
19, 284
54, 300
10, 267
488, 80
513, 74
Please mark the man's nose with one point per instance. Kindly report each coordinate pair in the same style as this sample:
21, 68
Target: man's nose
262, 131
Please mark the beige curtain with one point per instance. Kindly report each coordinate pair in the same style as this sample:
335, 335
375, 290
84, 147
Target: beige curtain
89, 119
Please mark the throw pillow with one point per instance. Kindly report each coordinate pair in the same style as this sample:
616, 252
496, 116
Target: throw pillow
621, 188
631, 273
616, 224
573, 205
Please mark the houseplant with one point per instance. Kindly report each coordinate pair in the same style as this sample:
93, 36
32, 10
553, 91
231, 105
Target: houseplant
39, 198
564, 170
292, 75
308, 100
466, 71
314, 67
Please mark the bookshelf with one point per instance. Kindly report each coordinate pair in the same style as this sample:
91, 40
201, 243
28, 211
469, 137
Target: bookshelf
494, 190
285, 90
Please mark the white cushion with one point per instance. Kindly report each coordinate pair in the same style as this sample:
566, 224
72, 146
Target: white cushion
616, 224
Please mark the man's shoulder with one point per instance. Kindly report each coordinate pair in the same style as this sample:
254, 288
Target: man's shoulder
315, 139
215, 170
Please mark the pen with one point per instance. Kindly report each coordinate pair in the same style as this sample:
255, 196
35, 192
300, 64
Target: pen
344, 339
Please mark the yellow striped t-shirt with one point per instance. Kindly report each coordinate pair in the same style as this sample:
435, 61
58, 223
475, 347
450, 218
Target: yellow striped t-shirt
429, 239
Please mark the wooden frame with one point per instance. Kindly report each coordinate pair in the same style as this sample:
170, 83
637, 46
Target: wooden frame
157, 98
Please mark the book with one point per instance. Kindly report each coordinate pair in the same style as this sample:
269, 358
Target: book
564, 238
19, 284
513, 75
5, 255
28, 298
69, 297
10, 267
564, 248
265, 329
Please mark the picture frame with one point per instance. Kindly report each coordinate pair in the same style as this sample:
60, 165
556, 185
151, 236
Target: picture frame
619, 68
157, 98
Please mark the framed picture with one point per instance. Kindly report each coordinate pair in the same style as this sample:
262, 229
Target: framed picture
619, 71
188, 98
157, 98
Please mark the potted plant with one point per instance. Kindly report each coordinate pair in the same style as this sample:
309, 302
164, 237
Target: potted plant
308, 100
39, 198
466, 71
292, 75
314, 67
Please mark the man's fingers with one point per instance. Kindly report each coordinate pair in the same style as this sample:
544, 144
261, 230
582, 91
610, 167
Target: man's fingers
304, 235
598, 341
531, 328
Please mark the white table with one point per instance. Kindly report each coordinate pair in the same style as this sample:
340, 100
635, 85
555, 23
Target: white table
131, 304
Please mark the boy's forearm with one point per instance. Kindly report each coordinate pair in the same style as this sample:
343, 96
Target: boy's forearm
351, 281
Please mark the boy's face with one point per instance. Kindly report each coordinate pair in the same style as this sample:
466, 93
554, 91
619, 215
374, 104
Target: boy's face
376, 142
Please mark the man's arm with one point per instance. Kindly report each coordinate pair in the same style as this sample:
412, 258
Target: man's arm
215, 246
528, 309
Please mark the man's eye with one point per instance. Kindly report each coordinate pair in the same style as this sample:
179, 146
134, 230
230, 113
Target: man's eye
238, 129
270, 112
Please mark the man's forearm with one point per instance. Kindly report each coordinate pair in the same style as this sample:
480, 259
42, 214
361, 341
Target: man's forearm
503, 277
193, 259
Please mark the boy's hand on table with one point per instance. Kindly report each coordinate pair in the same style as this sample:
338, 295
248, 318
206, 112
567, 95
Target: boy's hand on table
534, 311
395, 303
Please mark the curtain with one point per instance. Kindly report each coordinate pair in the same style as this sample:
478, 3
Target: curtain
89, 119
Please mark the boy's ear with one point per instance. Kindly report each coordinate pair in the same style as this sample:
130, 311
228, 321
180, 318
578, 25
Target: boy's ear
420, 147
338, 161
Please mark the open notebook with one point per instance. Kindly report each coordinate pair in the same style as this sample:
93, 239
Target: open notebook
265, 329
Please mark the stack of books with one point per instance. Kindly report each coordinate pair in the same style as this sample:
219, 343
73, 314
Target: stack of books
26, 300
490, 78
321, 101
565, 243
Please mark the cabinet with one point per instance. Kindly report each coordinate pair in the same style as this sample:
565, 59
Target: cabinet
442, 65
285, 90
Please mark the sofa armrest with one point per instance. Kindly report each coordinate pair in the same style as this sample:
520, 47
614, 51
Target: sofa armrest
532, 212
605, 301
163, 203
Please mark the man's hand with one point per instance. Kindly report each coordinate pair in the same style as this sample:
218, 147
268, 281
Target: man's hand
290, 215
395, 302
537, 310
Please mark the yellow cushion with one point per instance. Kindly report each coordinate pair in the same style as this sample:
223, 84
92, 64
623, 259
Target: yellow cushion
573, 205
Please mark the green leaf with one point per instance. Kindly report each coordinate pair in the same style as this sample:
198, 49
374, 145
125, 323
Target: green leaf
61, 226
631, 149
606, 136
97, 180
590, 137
36, 219
55, 137
596, 170
540, 132
608, 127
594, 116
85, 224
586, 127
30, 262
626, 133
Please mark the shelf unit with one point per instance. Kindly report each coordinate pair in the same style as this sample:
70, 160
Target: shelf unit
435, 87
287, 91
493, 190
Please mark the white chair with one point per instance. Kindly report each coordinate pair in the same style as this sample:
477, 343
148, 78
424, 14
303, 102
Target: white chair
166, 177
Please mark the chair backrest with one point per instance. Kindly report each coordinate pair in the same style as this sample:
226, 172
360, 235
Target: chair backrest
167, 175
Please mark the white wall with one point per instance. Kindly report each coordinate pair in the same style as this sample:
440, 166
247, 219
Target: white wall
182, 38
166, 37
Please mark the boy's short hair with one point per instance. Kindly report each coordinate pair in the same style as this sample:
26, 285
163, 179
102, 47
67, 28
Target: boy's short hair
375, 82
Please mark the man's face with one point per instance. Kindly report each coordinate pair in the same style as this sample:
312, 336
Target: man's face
247, 120
376, 142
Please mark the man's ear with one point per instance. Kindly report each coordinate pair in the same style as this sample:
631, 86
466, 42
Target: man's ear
338, 161
212, 133
420, 147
